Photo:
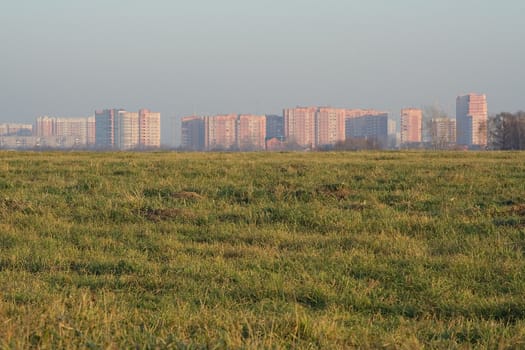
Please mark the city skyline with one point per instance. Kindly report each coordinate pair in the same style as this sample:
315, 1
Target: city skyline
63, 58
311, 127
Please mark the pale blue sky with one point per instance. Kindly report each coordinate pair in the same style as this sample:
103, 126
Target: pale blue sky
69, 57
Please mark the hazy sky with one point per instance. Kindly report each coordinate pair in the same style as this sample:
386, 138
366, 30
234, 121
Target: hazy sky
70, 57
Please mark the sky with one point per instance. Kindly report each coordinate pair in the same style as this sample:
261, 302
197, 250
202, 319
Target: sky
70, 57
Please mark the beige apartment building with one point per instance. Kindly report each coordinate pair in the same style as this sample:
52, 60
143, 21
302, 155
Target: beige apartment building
127, 130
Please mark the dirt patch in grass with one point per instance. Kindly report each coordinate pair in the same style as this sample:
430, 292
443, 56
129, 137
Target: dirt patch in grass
517, 210
193, 196
9, 206
513, 216
337, 190
164, 214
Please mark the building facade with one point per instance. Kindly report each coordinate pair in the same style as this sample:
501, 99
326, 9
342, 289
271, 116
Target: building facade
65, 132
126, 130
149, 129
220, 132
120, 129
472, 120
245, 132
72, 127
91, 131
329, 126
369, 127
299, 126
44, 126
274, 126
251, 132
105, 121
411, 125
192, 133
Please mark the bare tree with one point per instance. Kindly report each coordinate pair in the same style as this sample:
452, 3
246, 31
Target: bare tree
507, 131
431, 116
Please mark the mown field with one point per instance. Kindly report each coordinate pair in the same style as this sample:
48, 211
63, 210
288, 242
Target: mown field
292, 250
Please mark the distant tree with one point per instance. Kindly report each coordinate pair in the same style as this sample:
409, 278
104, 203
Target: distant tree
324, 148
292, 145
247, 145
430, 131
507, 131
357, 144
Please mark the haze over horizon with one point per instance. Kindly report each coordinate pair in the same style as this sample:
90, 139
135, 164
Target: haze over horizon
68, 58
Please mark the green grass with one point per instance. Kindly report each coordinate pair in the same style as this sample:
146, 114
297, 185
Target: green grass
260, 250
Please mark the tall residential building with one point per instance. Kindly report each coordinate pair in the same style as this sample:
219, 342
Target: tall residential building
443, 132
251, 132
67, 132
91, 131
411, 125
149, 129
105, 128
220, 132
299, 126
471, 120
371, 127
192, 133
44, 126
126, 130
274, 126
120, 129
329, 126
76, 128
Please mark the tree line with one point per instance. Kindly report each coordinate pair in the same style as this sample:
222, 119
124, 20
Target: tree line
507, 131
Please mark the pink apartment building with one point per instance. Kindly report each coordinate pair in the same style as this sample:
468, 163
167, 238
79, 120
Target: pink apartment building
330, 126
251, 132
299, 126
411, 125
220, 132
44, 126
149, 129
471, 120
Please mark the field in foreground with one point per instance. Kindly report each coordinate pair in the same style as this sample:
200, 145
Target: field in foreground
317, 250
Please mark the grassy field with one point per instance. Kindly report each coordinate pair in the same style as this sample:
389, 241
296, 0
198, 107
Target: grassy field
292, 250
